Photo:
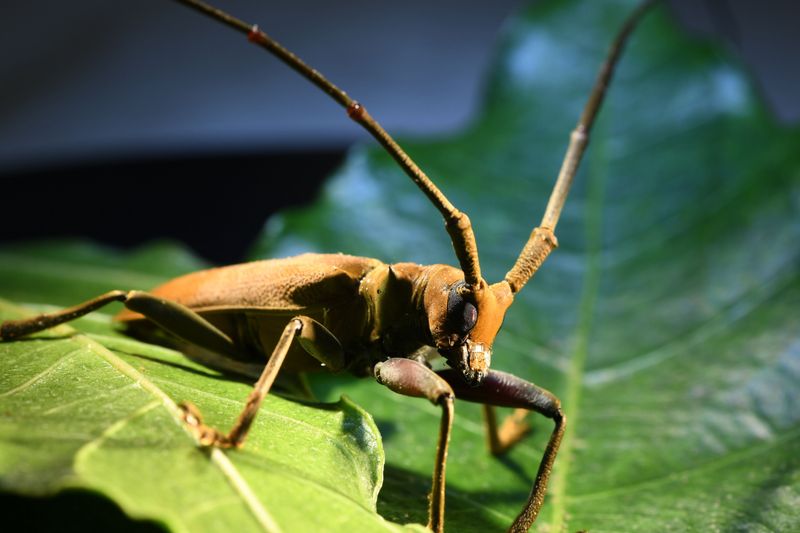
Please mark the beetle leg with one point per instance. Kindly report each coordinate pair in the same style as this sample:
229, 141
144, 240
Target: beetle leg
209, 436
170, 316
190, 326
412, 378
12, 329
313, 337
506, 390
512, 430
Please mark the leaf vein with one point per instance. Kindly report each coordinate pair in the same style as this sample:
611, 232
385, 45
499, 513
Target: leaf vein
234, 477
703, 468
94, 444
740, 309
41, 375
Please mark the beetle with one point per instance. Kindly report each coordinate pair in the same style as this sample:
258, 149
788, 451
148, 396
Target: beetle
361, 315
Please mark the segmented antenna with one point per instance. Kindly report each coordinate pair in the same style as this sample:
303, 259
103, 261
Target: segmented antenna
457, 223
542, 240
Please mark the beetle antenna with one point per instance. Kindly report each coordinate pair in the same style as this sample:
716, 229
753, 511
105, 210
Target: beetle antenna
457, 223
542, 240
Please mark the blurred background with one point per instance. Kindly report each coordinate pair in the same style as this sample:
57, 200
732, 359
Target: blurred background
126, 122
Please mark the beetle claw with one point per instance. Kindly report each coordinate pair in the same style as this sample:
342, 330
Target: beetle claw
206, 436
191, 414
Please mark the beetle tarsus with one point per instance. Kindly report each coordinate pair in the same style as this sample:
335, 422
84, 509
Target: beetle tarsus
205, 435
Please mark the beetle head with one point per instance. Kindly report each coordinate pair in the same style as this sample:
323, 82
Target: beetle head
464, 320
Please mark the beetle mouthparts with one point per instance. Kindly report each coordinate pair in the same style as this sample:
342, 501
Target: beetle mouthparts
472, 360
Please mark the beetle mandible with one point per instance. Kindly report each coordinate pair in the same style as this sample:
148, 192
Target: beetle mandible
361, 315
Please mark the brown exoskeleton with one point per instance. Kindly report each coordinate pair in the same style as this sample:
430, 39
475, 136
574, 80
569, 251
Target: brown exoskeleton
364, 316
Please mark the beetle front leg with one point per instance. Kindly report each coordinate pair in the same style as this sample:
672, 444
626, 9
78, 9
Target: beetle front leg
506, 390
412, 378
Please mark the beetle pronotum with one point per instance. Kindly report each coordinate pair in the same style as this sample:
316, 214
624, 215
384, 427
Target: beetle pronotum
364, 316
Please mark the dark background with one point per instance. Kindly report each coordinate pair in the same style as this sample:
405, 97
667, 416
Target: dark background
129, 122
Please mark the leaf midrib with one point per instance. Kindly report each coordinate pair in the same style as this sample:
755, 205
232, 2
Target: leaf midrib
218, 458
597, 166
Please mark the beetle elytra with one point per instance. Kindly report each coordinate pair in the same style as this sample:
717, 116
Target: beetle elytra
363, 316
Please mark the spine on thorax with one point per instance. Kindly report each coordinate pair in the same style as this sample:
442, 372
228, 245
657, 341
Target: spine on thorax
396, 324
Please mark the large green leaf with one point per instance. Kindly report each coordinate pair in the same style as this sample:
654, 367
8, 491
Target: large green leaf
97, 411
667, 321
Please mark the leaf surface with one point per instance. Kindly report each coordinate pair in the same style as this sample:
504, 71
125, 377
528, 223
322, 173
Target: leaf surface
97, 411
667, 321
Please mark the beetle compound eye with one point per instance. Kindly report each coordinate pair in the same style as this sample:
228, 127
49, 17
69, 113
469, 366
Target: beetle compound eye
470, 315
461, 313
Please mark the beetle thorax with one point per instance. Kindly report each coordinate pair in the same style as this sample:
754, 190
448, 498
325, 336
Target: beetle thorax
412, 306
395, 323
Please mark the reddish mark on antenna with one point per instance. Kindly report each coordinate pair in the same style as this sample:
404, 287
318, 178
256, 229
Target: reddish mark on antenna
355, 111
255, 35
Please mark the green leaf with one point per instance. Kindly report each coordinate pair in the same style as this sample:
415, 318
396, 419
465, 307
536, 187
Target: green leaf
668, 321
97, 411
